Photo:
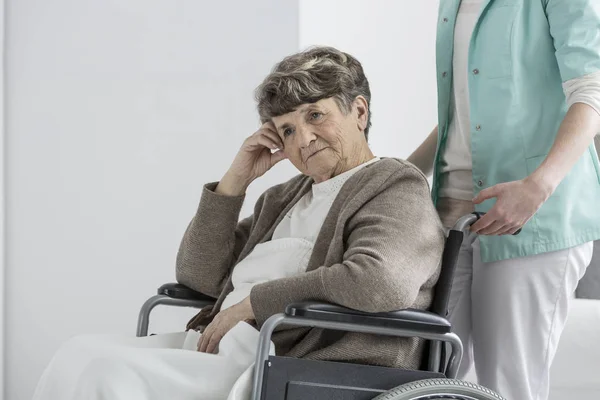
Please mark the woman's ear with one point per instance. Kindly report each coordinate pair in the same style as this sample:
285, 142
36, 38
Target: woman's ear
362, 112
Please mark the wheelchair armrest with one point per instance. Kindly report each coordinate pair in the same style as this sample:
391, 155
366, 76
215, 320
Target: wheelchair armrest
179, 291
418, 320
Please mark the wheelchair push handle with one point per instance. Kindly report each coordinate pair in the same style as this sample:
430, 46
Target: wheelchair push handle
470, 219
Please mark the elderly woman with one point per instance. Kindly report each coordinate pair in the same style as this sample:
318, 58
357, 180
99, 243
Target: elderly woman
351, 229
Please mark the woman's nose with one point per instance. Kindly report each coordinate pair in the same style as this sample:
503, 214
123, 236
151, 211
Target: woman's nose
306, 136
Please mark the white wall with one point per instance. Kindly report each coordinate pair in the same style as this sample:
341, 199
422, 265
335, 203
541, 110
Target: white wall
117, 113
395, 42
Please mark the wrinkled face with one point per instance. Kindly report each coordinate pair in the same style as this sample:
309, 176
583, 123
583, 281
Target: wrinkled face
320, 139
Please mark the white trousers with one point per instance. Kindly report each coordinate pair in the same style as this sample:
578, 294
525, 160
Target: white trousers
102, 367
510, 314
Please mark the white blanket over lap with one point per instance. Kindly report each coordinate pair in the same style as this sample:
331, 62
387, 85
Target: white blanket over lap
101, 367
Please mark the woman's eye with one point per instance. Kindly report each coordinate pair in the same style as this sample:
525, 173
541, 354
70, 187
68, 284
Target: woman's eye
287, 132
316, 115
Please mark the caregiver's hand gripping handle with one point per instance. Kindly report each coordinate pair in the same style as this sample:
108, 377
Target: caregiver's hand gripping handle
481, 214
516, 203
253, 160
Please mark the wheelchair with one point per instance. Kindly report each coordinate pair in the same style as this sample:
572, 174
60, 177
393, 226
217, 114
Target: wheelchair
284, 378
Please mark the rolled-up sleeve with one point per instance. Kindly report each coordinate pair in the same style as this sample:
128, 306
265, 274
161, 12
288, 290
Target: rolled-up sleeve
585, 90
575, 29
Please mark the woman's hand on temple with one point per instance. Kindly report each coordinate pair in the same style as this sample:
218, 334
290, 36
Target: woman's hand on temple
516, 203
224, 321
253, 159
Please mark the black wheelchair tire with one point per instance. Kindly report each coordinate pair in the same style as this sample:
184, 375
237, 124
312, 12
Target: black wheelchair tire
436, 389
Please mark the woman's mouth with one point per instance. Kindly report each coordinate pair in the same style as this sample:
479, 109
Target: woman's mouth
316, 152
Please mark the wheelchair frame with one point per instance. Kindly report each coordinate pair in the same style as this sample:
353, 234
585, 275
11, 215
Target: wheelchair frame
430, 325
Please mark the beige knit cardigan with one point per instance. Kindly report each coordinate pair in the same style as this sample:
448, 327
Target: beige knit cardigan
379, 249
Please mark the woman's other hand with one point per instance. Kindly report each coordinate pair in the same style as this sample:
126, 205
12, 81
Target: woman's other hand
224, 321
253, 160
516, 203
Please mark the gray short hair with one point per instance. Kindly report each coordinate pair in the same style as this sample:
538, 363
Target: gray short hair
309, 76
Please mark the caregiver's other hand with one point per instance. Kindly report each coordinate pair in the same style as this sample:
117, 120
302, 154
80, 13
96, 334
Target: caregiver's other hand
224, 321
253, 160
516, 203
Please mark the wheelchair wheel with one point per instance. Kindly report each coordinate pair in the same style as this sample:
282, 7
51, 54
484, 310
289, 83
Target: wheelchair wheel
439, 389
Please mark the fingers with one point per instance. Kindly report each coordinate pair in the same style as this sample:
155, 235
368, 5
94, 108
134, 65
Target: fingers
213, 344
277, 156
269, 127
269, 131
210, 338
512, 231
265, 136
274, 137
257, 140
513, 227
496, 229
496, 222
515, 204
506, 230
209, 342
204, 338
485, 222
487, 194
